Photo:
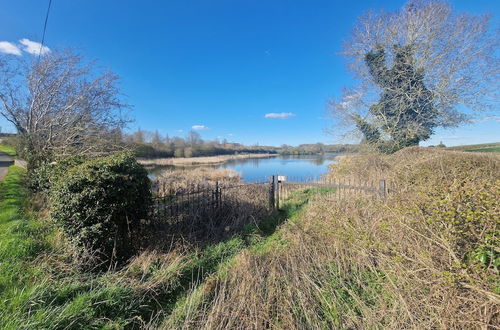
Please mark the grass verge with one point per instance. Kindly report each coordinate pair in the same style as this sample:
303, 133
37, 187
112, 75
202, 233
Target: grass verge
9, 150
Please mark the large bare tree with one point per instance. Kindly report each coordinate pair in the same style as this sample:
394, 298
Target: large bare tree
420, 67
60, 104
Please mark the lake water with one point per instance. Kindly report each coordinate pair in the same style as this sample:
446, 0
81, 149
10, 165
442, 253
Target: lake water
296, 168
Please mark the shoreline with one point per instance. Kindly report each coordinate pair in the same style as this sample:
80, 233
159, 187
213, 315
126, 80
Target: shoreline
210, 160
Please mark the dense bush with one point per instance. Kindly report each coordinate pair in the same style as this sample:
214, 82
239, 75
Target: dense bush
99, 205
42, 177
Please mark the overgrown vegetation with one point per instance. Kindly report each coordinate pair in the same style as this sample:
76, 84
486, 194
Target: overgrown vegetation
426, 257
100, 205
55, 294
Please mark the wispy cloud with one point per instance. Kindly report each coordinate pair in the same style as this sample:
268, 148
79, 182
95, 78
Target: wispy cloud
280, 115
488, 118
199, 127
231, 134
9, 48
34, 47
26, 45
452, 137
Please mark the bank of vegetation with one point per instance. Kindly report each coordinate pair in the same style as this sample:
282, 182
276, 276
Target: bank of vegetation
427, 256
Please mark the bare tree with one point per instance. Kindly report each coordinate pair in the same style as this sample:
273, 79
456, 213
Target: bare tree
60, 105
424, 65
194, 139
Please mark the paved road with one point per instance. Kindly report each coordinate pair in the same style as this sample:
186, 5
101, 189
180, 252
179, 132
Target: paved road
5, 162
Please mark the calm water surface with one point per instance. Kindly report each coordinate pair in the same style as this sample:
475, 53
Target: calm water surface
297, 168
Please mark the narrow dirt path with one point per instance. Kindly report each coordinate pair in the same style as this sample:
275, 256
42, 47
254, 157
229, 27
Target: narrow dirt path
5, 162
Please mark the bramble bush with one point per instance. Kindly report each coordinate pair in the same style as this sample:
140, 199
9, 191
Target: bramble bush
99, 205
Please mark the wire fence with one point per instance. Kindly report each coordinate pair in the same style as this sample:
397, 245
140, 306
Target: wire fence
209, 211
218, 209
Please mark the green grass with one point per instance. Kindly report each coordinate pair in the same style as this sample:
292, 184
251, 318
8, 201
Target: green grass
8, 149
21, 240
485, 147
40, 288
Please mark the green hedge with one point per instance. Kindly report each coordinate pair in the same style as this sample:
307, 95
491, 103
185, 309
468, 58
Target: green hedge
43, 177
99, 205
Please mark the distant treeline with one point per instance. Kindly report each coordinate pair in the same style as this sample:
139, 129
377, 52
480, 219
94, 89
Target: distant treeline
153, 144
317, 148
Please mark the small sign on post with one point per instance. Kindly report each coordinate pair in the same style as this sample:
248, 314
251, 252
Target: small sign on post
281, 178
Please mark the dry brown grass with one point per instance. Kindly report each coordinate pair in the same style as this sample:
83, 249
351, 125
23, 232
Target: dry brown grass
416, 260
199, 160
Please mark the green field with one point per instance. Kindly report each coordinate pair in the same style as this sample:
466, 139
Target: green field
8, 149
485, 147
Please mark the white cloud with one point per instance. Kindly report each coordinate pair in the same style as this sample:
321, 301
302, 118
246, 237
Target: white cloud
34, 47
281, 115
488, 118
199, 127
231, 134
9, 48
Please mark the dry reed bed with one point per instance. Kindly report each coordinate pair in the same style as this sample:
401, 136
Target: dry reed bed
205, 205
199, 160
424, 258
185, 181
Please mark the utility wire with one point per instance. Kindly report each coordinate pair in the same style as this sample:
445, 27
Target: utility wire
44, 28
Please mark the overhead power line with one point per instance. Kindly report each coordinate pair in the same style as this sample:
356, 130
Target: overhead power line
44, 28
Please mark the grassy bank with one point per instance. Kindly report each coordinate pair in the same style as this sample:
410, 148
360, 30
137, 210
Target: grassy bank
199, 160
426, 257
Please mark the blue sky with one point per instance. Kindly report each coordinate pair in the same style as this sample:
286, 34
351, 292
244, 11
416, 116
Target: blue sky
222, 65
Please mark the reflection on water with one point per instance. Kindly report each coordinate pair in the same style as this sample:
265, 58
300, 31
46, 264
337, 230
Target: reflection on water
259, 169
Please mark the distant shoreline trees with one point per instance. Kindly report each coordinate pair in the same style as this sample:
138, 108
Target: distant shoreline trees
150, 144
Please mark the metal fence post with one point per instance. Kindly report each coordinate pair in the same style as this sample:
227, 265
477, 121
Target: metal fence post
383, 189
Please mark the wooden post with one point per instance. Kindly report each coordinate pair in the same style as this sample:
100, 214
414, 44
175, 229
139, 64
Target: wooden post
382, 188
272, 181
